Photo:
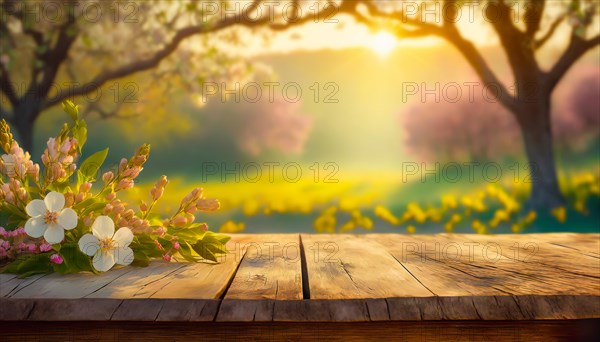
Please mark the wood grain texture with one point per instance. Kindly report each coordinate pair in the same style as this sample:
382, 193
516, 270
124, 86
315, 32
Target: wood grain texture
560, 254
201, 280
69, 285
338, 278
451, 265
271, 269
351, 267
10, 284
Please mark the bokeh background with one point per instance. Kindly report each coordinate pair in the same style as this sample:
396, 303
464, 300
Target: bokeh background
368, 115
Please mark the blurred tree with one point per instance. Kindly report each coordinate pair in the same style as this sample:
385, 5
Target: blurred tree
466, 130
481, 130
49, 46
582, 108
521, 33
268, 125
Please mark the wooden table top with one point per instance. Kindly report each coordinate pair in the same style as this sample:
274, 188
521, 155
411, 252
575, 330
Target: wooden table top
322, 278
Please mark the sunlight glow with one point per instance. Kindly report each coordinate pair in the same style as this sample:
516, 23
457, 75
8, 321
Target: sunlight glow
383, 43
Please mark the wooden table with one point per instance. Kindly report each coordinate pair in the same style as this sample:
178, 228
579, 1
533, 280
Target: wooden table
340, 286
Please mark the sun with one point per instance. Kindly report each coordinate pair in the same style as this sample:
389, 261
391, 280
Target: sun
383, 43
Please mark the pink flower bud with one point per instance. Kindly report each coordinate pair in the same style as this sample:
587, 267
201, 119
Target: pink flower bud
143, 206
122, 164
208, 204
203, 227
160, 231
176, 245
162, 181
67, 160
132, 172
56, 258
129, 214
85, 187
31, 247
80, 197
179, 221
156, 193
3, 232
166, 257
107, 177
45, 247
111, 196
124, 184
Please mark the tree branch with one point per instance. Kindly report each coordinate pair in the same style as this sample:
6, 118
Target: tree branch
58, 54
577, 48
533, 16
6, 86
540, 42
483, 70
169, 48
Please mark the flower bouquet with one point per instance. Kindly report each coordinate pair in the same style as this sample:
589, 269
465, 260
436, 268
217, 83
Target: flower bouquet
61, 218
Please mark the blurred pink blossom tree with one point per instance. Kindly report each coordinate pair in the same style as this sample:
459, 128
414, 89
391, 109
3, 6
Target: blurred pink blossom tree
481, 130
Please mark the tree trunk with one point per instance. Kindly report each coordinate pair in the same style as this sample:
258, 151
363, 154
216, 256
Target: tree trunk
25, 138
25, 114
534, 120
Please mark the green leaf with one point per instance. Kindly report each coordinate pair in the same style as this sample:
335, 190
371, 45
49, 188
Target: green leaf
91, 165
73, 260
29, 264
80, 133
205, 250
140, 259
188, 253
71, 109
13, 210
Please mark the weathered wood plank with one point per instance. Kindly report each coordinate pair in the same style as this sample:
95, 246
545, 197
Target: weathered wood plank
271, 269
69, 285
588, 244
200, 280
73, 309
13, 285
351, 267
545, 251
484, 270
314, 310
188, 310
350, 279
246, 310
137, 281
144, 282
440, 278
